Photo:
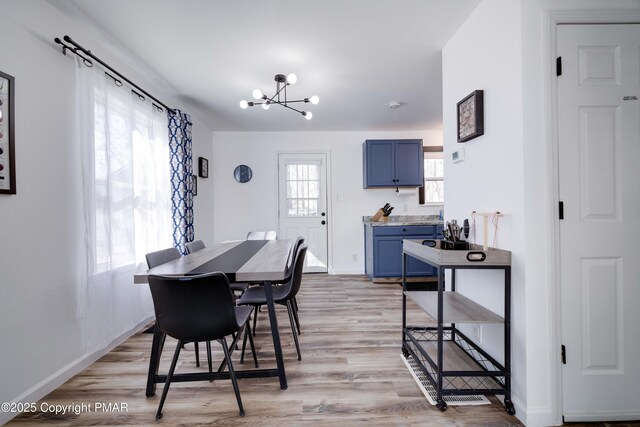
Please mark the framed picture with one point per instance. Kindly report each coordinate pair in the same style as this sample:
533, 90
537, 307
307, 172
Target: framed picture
194, 184
471, 116
203, 167
7, 137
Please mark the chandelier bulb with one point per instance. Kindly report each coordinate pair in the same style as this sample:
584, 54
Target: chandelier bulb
308, 115
257, 94
265, 106
314, 99
292, 79
244, 104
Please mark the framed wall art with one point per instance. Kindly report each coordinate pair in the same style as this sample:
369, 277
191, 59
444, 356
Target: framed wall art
471, 116
194, 184
7, 137
203, 167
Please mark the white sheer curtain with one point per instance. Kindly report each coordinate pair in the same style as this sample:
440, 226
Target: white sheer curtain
126, 198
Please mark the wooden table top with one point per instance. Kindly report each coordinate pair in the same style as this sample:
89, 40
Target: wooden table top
241, 261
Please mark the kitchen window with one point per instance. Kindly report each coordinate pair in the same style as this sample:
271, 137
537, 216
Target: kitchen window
432, 193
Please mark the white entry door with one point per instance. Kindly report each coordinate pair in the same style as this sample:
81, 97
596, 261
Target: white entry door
303, 205
599, 185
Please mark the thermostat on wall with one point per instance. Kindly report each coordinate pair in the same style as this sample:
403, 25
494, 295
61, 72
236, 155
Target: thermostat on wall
458, 155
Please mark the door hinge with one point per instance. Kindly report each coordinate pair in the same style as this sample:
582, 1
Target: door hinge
559, 66
561, 210
563, 352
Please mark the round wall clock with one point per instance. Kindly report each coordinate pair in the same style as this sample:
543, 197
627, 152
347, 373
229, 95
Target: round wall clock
242, 173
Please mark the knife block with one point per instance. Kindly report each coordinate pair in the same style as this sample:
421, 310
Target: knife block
378, 216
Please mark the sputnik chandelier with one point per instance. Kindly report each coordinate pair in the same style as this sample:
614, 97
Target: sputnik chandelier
282, 82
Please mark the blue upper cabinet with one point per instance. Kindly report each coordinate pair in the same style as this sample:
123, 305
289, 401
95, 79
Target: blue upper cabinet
393, 163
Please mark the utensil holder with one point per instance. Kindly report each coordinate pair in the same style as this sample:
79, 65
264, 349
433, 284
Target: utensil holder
455, 246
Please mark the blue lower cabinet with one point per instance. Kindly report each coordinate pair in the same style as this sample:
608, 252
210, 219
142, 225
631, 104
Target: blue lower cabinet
383, 250
388, 258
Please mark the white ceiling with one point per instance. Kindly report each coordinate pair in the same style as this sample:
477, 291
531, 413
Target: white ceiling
356, 55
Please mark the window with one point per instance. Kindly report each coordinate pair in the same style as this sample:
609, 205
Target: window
129, 182
433, 190
303, 189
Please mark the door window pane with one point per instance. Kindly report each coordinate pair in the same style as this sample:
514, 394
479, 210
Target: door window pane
313, 172
302, 182
291, 172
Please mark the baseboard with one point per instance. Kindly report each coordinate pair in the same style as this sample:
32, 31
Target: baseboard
521, 410
426, 279
603, 416
346, 271
540, 417
58, 378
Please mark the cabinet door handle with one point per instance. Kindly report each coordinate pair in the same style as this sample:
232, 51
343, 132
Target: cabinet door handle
323, 222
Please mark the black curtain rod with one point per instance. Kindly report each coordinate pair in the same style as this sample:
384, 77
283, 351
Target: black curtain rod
88, 63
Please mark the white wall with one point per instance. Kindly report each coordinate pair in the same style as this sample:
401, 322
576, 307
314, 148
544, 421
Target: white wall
240, 208
46, 333
544, 378
507, 43
486, 54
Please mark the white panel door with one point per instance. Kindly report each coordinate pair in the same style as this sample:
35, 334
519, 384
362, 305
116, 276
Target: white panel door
599, 185
302, 190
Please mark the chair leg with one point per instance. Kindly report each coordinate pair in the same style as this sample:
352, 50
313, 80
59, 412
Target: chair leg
195, 345
233, 375
168, 382
209, 362
253, 347
293, 328
233, 335
295, 314
244, 341
255, 319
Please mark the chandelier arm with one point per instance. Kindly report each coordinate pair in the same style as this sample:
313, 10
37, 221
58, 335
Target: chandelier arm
272, 99
281, 103
296, 100
290, 108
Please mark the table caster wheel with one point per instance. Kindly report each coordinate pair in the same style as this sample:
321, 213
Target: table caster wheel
441, 404
511, 410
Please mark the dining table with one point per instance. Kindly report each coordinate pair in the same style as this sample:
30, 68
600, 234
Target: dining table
262, 262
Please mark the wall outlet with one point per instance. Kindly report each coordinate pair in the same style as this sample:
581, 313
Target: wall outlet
355, 257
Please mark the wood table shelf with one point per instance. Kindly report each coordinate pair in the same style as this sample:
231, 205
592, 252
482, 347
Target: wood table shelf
456, 308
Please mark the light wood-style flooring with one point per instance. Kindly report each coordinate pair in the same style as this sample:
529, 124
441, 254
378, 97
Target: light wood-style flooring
351, 373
